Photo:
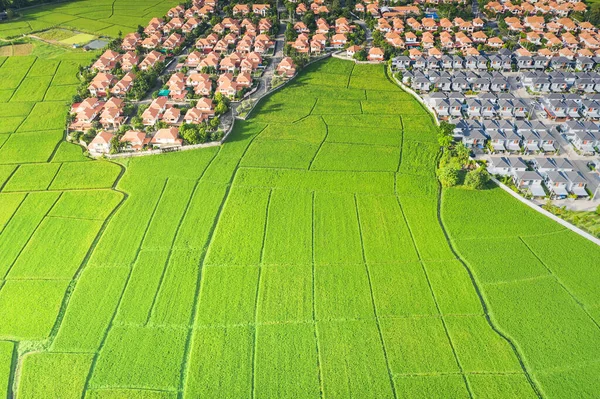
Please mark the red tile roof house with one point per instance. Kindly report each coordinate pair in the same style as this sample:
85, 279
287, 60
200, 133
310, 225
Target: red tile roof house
193, 59
151, 60
177, 91
205, 105
350, 51
114, 103
134, 140
111, 118
190, 25
100, 84
154, 26
212, 60
152, 42
131, 41
172, 116
375, 54
261, 9
241, 9
86, 112
244, 80
101, 143
176, 11
151, 116
167, 138
227, 88
175, 23
91, 103
194, 79
286, 67
122, 87
203, 88
195, 115
129, 60
153, 113
264, 25
338, 40
107, 61
174, 41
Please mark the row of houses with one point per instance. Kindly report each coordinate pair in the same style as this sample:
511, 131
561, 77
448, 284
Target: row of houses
459, 81
505, 135
559, 8
324, 37
584, 135
563, 107
135, 140
561, 82
109, 113
485, 106
503, 60
557, 174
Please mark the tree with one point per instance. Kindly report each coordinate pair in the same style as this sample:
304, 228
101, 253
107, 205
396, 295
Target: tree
192, 133
462, 153
115, 145
448, 176
444, 140
214, 123
477, 179
290, 34
360, 55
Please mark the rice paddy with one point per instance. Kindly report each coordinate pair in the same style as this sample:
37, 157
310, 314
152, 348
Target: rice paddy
312, 255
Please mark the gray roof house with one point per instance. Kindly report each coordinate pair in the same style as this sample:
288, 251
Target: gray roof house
474, 138
590, 109
530, 181
460, 84
481, 84
576, 183
473, 108
443, 84
557, 184
531, 140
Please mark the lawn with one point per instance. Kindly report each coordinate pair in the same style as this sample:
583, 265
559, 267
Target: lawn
311, 255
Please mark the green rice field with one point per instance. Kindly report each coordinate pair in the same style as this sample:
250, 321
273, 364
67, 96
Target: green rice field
96, 17
313, 255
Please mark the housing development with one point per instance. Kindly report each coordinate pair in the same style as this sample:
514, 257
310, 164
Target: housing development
299, 199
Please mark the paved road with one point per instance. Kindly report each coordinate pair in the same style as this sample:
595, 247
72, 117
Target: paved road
475, 8
368, 33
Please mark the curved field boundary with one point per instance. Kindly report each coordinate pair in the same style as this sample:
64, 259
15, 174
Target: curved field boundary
544, 212
484, 305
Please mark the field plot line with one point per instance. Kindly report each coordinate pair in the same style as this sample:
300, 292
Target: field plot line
29, 238
401, 148
364, 257
183, 216
95, 359
8, 179
54, 177
71, 286
322, 142
350, 77
194, 314
260, 265
544, 212
482, 300
559, 281
12, 216
437, 306
20, 83
164, 271
314, 307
